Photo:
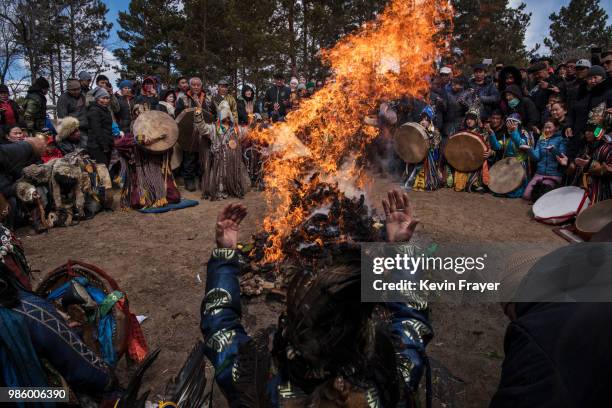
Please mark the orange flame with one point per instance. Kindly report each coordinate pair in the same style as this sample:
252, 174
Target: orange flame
387, 58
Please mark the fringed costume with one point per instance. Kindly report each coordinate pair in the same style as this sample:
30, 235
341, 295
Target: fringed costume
426, 176
475, 181
226, 175
145, 179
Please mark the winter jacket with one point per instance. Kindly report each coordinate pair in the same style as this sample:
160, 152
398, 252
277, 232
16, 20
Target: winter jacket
68, 105
277, 94
124, 116
530, 116
540, 96
488, 94
243, 116
585, 101
453, 109
547, 164
13, 158
35, 110
10, 104
100, 128
187, 101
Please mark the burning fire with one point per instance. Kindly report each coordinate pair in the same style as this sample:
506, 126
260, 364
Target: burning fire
387, 58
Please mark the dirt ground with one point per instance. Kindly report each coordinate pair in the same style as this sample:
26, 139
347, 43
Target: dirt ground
160, 261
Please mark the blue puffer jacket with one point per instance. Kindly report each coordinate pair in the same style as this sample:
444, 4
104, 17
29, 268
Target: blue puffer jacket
547, 164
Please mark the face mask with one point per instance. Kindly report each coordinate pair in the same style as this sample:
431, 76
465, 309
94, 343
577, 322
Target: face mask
513, 103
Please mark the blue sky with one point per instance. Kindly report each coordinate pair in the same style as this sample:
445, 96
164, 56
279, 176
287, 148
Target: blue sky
536, 32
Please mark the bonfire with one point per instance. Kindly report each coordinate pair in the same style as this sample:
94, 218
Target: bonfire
315, 178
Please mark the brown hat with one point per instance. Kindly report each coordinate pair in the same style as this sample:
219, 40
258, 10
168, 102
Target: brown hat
73, 85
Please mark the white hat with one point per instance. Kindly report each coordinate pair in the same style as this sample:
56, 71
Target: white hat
446, 71
583, 63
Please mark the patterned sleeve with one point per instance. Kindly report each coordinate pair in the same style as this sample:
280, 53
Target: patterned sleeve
412, 330
63, 348
221, 312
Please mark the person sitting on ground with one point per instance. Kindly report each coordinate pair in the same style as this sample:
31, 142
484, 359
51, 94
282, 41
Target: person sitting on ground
52, 151
426, 176
329, 349
12, 134
474, 181
508, 144
549, 153
13, 158
35, 337
68, 135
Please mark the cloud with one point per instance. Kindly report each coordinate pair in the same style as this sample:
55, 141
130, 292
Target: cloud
112, 61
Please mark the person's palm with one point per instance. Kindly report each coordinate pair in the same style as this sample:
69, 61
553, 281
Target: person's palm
400, 223
228, 225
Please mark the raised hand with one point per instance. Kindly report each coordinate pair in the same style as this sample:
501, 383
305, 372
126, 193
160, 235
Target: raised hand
562, 159
400, 222
228, 225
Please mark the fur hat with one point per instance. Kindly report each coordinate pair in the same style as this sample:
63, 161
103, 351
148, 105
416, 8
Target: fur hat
66, 127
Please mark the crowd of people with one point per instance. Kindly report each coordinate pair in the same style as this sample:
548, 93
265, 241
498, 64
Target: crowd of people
94, 131
555, 120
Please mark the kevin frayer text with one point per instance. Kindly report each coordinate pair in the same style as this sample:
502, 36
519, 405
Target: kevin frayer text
427, 285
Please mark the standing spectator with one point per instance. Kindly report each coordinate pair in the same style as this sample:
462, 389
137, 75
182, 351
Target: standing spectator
182, 86
73, 103
35, 107
517, 103
510, 76
319, 85
103, 82
546, 85
562, 72
606, 62
126, 105
9, 110
276, 100
100, 138
85, 81
302, 80
453, 107
224, 95
195, 98
595, 91
247, 106
294, 97
571, 70
578, 87
558, 111
444, 81
147, 100
167, 101
484, 87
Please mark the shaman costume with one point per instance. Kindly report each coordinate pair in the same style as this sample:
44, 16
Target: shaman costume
508, 145
247, 371
33, 336
475, 180
228, 175
426, 176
